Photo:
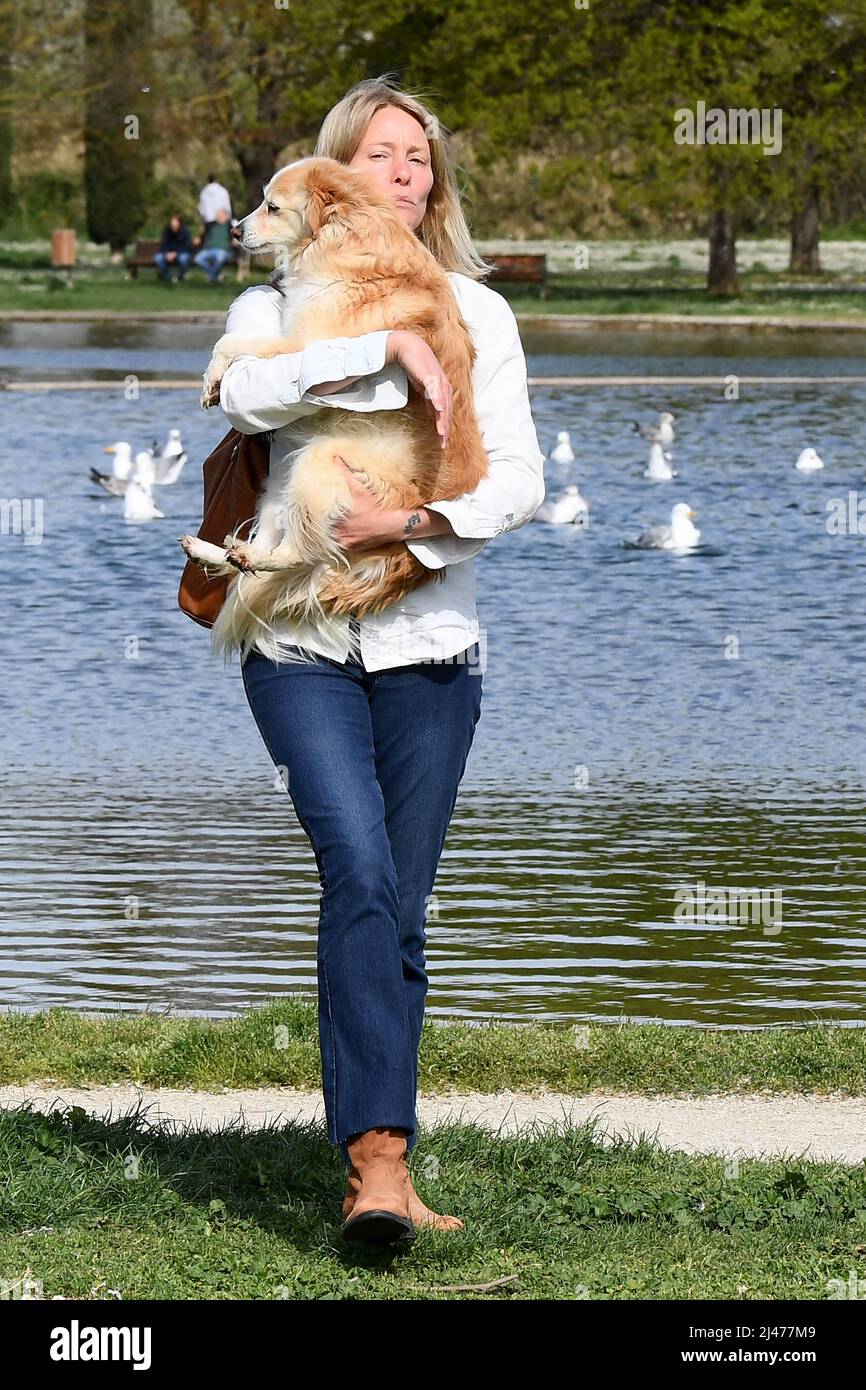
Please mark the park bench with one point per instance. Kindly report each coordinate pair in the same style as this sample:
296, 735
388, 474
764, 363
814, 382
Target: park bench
144, 252
142, 257
531, 269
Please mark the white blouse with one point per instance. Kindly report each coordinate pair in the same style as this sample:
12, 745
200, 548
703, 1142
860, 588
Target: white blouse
438, 619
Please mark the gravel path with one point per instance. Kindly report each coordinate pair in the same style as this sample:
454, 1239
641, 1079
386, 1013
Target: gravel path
815, 1127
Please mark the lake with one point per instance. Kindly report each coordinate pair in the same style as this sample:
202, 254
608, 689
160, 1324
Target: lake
657, 730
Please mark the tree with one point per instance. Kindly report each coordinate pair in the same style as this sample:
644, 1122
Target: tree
822, 89
717, 63
118, 135
7, 40
267, 75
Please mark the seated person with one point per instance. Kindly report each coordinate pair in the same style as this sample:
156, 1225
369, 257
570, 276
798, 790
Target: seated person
216, 247
175, 249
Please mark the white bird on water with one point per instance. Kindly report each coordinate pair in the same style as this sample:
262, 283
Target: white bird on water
809, 462
169, 460
662, 433
570, 508
659, 466
680, 535
138, 501
562, 451
115, 482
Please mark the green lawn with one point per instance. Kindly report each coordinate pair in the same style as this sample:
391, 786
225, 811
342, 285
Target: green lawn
33, 287
45, 292
278, 1045
241, 1214
153, 1212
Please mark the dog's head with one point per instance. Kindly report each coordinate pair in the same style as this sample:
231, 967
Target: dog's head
311, 198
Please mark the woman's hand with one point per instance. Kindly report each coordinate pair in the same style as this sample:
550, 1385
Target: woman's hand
422, 367
369, 524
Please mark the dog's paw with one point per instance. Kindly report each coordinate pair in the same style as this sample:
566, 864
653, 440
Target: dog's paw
224, 353
241, 557
202, 552
210, 393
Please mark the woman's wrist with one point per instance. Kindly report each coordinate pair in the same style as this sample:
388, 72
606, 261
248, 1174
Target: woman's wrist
416, 522
392, 344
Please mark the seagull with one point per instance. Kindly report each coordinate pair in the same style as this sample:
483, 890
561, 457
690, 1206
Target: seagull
570, 507
659, 466
809, 462
662, 433
138, 502
168, 461
680, 535
562, 451
115, 481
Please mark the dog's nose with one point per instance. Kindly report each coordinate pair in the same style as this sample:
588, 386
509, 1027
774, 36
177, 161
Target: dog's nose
237, 232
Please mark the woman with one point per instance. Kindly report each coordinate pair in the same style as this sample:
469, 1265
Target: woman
373, 751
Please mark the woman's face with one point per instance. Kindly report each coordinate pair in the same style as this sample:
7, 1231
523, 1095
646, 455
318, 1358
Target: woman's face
395, 152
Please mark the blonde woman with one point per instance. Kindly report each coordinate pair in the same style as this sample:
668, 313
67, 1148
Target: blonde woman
374, 751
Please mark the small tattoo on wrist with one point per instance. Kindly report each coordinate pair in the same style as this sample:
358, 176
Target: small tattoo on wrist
412, 521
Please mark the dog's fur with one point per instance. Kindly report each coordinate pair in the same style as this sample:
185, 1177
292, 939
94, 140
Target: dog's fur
351, 266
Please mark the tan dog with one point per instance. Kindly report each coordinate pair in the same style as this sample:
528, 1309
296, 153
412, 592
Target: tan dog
351, 266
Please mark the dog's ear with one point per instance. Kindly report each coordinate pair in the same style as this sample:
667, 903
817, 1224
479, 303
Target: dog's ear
324, 205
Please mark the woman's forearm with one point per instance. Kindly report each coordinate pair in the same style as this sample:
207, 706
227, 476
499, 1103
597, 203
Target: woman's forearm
393, 344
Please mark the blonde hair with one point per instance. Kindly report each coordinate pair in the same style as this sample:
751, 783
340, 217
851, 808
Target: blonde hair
444, 230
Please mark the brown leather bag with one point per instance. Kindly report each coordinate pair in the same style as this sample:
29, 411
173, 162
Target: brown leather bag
234, 475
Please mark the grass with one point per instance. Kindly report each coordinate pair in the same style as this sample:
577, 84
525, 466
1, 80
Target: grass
667, 290
92, 1207
46, 291
278, 1045
27, 283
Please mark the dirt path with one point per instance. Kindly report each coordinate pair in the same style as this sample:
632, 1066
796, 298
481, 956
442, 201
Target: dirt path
815, 1127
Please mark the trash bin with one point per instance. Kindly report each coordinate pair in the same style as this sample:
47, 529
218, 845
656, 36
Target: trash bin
63, 251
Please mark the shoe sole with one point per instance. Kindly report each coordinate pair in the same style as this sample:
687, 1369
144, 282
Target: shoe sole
379, 1226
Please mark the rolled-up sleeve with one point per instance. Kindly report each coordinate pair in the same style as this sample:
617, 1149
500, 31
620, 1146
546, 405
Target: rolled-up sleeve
513, 490
259, 394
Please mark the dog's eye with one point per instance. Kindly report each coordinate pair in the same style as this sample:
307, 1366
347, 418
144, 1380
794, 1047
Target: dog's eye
271, 207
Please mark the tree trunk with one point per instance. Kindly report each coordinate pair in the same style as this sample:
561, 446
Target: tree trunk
258, 150
805, 234
722, 277
258, 161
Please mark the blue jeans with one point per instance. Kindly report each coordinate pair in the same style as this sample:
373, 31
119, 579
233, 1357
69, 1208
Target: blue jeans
373, 761
211, 261
165, 267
